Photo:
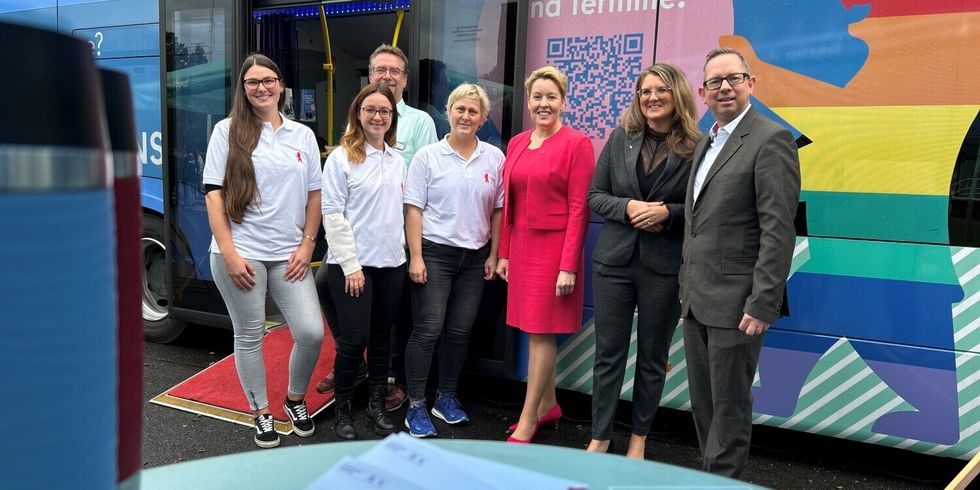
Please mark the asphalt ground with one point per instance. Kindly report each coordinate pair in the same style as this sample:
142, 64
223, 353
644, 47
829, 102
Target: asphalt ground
778, 458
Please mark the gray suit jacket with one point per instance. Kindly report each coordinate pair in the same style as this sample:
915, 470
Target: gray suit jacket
739, 238
614, 183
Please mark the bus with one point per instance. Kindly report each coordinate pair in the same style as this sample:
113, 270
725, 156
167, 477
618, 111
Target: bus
883, 341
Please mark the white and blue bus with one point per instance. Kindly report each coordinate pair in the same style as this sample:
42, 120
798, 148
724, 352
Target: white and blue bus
883, 345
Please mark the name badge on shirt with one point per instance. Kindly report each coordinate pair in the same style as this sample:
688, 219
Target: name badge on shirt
399, 146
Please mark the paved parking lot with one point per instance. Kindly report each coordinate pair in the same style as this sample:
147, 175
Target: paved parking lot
779, 458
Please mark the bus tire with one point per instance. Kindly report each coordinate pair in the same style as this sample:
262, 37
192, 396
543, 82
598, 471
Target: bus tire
158, 325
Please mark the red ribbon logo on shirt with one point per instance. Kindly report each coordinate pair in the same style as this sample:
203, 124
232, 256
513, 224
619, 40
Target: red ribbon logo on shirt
299, 157
486, 177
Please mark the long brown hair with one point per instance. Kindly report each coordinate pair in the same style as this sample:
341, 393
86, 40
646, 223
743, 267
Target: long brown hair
684, 132
240, 189
353, 139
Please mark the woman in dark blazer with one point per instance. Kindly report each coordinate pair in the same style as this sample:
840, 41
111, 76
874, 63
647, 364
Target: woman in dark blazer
639, 186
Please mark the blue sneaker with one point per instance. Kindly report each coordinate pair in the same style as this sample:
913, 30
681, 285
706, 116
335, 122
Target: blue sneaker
448, 408
418, 423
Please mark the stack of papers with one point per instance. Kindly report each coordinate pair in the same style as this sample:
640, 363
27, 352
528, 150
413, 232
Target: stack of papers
405, 463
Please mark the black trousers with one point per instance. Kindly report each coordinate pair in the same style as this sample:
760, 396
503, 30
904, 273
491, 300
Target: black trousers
364, 321
326, 302
618, 293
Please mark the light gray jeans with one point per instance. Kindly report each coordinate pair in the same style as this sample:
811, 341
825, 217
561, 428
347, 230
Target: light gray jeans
299, 306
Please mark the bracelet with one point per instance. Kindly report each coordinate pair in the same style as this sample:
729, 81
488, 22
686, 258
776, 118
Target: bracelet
310, 238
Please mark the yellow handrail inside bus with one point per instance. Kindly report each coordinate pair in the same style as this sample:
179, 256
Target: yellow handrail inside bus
329, 68
398, 27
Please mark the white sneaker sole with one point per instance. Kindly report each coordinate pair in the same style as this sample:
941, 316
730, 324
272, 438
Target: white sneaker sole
418, 436
441, 417
266, 445
303, 433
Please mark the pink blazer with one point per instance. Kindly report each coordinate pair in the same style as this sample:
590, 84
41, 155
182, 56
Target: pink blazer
556, 192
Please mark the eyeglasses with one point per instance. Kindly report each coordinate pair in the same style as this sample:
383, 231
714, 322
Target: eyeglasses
733, 80
648, 92
253, 84
371, 111
381, 70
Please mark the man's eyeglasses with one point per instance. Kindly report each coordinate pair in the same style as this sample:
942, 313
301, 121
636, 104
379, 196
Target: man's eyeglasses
371, 111
381, 70
733, 80
253, 84
648, 92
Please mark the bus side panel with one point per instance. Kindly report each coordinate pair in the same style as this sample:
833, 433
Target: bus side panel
884, 338
125, 36
42, 14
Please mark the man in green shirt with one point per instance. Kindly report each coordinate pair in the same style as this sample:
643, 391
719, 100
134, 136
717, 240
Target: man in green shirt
389, 65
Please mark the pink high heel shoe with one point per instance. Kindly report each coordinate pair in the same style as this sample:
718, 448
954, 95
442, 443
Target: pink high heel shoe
514, 440
553, 415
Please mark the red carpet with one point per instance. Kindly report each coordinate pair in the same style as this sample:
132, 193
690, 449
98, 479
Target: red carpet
216, 391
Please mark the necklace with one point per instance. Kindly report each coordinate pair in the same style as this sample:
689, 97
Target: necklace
538, 140
541, 137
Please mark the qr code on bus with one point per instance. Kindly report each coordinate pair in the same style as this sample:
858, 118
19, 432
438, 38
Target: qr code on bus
601, 71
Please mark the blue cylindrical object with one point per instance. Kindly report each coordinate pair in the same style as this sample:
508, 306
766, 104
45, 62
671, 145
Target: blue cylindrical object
57, 269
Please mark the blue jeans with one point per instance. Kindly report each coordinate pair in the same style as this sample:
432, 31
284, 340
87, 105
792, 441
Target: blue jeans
445, 306
297, 302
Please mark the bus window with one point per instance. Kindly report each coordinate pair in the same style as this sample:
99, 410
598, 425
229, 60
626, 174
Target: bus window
964, 192
200, 52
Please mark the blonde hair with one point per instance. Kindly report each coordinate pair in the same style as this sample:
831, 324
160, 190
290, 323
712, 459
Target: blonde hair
684, 132
469, 91
547, 73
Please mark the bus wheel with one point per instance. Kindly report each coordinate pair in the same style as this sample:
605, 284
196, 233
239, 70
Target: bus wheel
158, 326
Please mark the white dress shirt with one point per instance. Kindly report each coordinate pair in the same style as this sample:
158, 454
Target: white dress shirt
718, 138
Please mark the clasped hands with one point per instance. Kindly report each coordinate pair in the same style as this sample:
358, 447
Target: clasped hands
647, 216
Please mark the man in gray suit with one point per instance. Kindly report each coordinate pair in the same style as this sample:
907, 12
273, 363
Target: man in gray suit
738, 244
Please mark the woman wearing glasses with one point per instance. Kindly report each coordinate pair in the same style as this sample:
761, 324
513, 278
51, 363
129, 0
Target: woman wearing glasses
262, 181
363, 181
546, 178
639, 187
453, 197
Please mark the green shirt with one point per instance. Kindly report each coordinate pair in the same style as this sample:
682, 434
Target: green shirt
415, 130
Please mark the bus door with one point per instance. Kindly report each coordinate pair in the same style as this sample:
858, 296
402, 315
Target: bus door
202, 44
323, 52
482, 42
447, 42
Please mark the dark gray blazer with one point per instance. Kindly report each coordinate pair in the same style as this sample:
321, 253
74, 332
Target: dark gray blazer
739, 238
614, 183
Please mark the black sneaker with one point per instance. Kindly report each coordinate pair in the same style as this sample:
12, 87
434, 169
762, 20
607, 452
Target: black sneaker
265, 432
302, 423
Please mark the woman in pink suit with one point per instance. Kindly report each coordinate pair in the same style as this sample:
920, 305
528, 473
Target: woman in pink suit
547, 175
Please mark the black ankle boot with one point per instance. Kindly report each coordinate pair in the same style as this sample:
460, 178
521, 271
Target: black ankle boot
343, 425
376, 411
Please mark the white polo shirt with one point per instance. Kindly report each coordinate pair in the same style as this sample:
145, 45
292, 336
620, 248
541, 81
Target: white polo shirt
368, 197
287, 168
457, 196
